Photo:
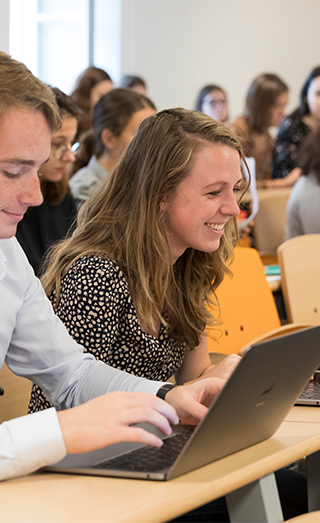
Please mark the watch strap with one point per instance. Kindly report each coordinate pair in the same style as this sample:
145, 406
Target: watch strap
164, 389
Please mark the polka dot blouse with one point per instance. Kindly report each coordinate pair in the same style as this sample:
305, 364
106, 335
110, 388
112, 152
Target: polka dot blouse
96, 307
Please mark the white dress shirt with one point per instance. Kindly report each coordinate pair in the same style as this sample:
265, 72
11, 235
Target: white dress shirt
35, 344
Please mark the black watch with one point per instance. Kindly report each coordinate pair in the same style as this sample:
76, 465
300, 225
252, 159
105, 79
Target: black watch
164, 389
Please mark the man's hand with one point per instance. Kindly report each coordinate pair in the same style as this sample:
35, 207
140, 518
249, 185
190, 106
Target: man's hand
192, 399
109, 419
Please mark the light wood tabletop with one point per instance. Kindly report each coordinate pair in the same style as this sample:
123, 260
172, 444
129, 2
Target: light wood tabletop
46, 497
307, 414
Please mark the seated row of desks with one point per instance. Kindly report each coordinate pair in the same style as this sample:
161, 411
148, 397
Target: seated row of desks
46, 497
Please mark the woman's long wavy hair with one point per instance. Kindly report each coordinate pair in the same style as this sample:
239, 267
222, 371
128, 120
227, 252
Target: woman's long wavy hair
123, 220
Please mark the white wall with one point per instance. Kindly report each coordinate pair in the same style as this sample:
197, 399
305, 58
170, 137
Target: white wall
181, 45
4, 25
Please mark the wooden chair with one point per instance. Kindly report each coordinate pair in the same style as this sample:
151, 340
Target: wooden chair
299, 260
270, 221
309, 517
248, 310
16, 395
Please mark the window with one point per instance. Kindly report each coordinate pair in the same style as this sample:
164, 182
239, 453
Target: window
57, 39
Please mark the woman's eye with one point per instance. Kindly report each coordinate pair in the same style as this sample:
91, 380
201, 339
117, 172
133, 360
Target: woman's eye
214, 193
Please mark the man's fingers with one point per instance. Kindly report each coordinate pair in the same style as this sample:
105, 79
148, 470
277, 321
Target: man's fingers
141, 436
146, 414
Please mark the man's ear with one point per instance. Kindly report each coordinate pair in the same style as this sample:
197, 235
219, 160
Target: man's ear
108, 139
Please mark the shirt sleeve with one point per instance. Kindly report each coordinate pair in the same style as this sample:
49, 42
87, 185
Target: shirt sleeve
36, 344
30, 442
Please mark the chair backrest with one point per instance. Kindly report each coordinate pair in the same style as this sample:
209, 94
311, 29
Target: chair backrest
270, 220
247, 305
16, 395
299, 260
308, 517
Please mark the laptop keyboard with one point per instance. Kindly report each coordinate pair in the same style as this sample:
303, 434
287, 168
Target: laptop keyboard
312, 390
150, 459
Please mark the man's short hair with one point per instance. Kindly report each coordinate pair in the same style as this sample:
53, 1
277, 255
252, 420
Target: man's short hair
20, 88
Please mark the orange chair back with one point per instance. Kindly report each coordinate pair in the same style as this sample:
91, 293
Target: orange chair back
247, 305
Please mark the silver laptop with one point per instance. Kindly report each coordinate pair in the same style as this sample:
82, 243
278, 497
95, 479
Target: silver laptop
311, 394
251, 406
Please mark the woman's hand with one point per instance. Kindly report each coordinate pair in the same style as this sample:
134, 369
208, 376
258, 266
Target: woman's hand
224, 369
191, 400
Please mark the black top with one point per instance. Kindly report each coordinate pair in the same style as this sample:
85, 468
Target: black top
291, 135
44, 225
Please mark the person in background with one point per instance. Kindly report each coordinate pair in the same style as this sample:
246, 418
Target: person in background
266, 100
116, 118
212, 100
303, 209
135, 83
33, 341
51, 221
296, 127
90, 85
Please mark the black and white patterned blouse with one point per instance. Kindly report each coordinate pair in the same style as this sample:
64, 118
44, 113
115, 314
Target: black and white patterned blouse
96, 307
291, 135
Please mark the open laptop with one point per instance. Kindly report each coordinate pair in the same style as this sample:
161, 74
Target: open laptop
311, 394
249, 408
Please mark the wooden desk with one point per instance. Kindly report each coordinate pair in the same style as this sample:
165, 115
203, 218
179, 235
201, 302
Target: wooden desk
51, 498
304, 414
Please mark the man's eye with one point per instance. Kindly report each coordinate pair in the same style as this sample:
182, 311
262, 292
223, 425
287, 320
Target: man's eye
10, 175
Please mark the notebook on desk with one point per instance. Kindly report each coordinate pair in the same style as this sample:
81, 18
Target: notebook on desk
249, 409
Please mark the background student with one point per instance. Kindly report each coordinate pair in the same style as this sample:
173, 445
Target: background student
49, 222
135, 83
296, 127
213, 101
266, 100
90, 85
116, 118
33, 341
303, 209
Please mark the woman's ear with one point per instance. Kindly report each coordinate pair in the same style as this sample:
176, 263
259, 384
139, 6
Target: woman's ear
163, 204
108, 139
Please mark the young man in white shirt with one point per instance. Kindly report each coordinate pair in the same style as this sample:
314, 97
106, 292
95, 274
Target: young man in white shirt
33, 341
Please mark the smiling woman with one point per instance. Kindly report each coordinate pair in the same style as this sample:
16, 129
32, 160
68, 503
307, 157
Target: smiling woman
151, 246
196, 214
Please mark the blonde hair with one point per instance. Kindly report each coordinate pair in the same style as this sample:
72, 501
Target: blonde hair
20, 88
123, 220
